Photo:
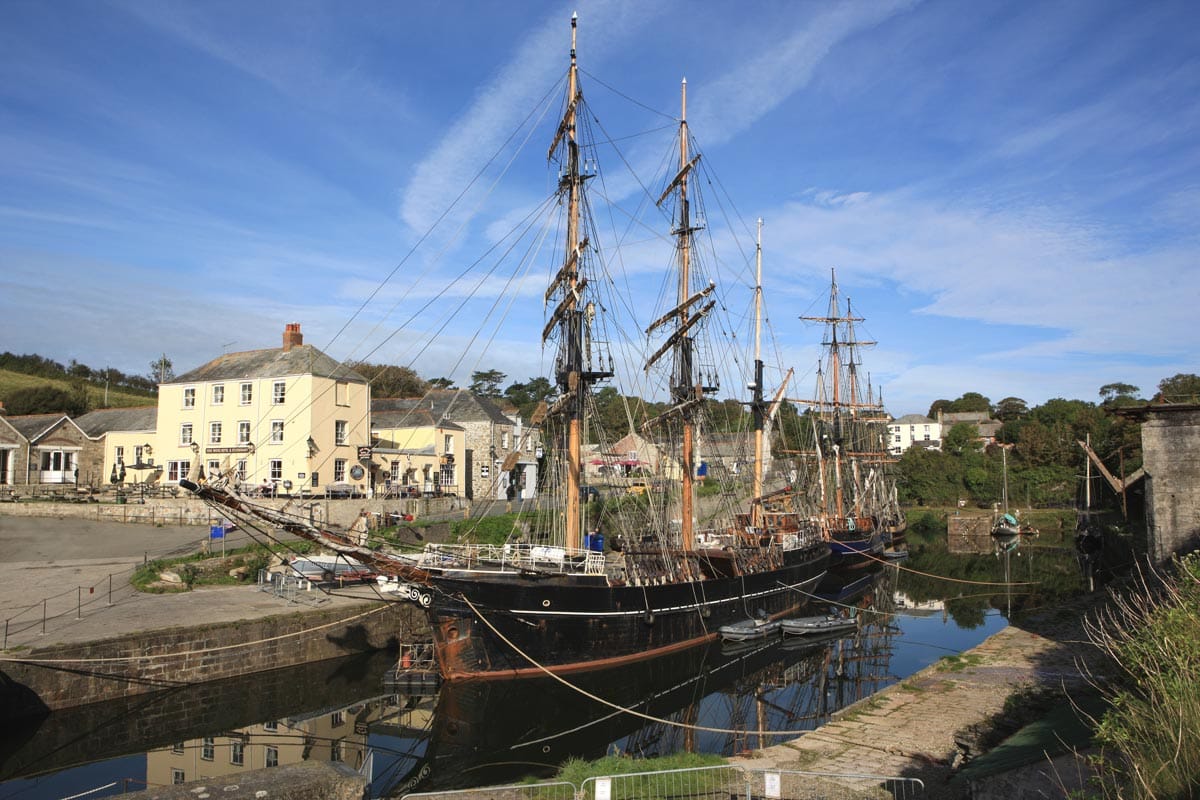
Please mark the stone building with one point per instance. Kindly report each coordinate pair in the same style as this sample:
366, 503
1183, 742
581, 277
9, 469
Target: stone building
490, 439
49, 449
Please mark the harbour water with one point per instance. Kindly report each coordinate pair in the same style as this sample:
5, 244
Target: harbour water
719, 699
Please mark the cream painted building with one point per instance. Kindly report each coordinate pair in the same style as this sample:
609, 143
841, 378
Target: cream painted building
338, 735
415, 455
290, 417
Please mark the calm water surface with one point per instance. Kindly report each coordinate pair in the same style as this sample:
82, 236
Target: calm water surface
484, 732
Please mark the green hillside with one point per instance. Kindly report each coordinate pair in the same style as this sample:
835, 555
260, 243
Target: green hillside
117, 398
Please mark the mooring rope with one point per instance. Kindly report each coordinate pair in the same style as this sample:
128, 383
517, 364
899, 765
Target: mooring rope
615, 706
155, 656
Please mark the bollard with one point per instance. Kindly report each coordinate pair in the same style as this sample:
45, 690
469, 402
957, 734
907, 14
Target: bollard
78, 602
5, 635
110, 588
43, 616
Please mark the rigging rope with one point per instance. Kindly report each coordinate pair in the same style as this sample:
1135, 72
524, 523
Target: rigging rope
609, 704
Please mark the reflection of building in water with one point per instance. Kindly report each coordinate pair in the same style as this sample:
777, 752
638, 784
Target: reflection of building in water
920, 608
328, 735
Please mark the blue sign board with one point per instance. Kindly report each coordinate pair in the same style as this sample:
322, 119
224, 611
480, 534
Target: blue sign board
216, 532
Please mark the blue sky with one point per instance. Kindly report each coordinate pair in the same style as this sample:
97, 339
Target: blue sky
1008, 191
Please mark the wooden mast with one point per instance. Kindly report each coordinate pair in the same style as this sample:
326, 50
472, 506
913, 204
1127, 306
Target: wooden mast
757, 399
685, 389
570, 380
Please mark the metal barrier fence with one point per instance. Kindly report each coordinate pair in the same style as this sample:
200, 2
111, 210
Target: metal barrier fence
292, 588
697, 783
703, 783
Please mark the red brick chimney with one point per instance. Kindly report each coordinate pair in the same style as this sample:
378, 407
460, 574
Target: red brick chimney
292, 337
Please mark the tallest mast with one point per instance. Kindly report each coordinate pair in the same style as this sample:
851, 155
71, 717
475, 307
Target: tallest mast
684, 390
573, 185
575, 371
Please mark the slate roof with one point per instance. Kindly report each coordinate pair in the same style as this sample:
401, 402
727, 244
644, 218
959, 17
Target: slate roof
303, 359
106, 420
913, 419
33, 426
415, 418
453, 404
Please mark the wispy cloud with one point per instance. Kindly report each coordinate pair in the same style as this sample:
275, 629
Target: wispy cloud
759, 85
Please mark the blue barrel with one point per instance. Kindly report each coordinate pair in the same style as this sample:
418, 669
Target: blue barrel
595, 542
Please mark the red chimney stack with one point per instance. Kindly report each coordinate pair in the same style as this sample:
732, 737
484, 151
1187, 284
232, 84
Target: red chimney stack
292, 337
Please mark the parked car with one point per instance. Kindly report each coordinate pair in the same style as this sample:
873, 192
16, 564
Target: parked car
638, 486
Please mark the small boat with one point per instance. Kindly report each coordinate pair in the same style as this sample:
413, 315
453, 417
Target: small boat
749, 630
810, 626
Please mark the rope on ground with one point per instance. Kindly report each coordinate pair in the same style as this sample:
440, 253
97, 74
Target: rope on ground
156, 656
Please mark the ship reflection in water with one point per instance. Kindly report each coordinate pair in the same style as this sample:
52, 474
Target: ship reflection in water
714, 699
719, 698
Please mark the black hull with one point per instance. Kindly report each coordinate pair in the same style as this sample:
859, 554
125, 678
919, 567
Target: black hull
549, 723
504, 625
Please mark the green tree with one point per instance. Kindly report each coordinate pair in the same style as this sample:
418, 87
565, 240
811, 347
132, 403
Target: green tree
960, 438
1181, 388
390, 381
1011, 409
487, 382
939, 405
526, 396
441, 383
46, 400
972, 402
1113, 393
162, 370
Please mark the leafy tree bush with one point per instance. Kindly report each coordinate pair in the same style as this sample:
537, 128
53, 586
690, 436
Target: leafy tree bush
46, 400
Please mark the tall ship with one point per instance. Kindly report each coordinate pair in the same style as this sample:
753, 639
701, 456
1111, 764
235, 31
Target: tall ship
844, 488
663, 575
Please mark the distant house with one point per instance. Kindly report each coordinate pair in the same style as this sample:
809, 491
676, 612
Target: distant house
49, 449
630, 455
412, 453
986, 428
500, 452
123, 437
14, 451
913, 429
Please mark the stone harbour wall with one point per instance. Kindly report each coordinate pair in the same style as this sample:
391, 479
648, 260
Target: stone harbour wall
186, 511
1171, 458
71, 675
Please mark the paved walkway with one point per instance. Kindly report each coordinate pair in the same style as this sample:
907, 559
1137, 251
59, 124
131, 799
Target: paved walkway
50, 567
909, 729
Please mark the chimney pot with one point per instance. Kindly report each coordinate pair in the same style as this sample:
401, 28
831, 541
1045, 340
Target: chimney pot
292, 336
